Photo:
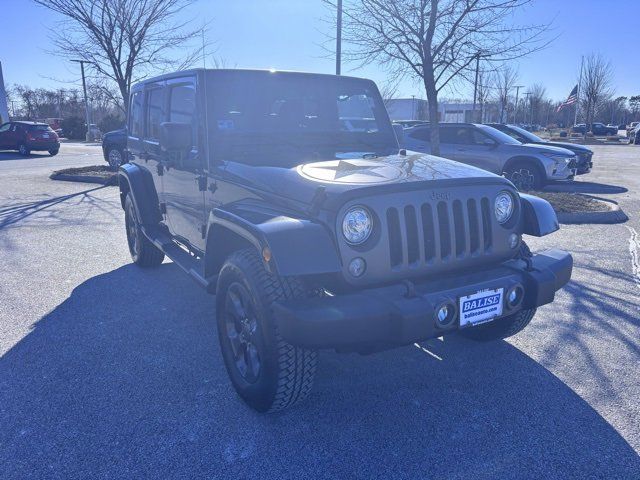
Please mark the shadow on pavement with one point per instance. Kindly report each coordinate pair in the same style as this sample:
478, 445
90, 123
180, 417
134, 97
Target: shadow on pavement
585, 187
11, 155
15, 213
125, 379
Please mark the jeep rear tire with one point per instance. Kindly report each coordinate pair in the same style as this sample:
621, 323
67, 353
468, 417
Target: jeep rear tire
525, 175
143, 252
501, 328
268, 373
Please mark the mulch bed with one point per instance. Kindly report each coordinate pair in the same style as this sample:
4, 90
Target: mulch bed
101, 174
569, 202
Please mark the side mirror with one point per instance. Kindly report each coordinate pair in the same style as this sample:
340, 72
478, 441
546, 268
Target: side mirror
399, 131
176, 137
487, 142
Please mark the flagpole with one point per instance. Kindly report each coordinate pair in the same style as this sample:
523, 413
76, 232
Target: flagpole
575, 121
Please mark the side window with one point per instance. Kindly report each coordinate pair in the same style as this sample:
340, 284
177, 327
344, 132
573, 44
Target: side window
5, 127
182, 104
422, 134
135, 115
479, 138
155, 115
453, 135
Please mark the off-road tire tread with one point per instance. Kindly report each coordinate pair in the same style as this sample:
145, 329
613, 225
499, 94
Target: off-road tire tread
296, 365
150, 255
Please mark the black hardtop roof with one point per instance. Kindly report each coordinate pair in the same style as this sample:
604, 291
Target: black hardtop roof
181, 73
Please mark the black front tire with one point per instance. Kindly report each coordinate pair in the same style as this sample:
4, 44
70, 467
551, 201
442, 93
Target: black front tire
500, 328
268, 373
53, 153
143, 252
114, 157
23, 150
525, 176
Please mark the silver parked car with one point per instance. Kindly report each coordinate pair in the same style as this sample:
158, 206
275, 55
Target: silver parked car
529, 167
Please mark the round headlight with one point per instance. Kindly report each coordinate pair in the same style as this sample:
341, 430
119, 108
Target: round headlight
357, 225
503, 207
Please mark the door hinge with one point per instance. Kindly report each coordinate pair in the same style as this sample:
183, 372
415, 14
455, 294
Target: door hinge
203, 230
202, 182
163, 208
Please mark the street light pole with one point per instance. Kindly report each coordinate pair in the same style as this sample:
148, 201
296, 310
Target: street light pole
515, 111
88, 137
475, 85
525, 102
339, 40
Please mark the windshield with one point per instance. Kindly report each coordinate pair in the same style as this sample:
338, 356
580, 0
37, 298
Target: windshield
522, 135
284, 119
498, 136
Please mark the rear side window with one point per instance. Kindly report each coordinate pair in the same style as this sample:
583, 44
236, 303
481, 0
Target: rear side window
5, 127
182, 105
40, 128
135, 122
155, 115
422, 134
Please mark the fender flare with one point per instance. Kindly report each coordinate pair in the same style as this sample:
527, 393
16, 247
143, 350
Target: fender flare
290, 241
538, 216
137, 180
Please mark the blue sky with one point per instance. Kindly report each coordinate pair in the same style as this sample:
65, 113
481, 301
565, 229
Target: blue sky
288, 34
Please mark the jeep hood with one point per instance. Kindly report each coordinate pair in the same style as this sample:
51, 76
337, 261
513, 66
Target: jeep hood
356, 176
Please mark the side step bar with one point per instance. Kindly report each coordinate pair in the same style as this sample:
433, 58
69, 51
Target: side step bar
193, 266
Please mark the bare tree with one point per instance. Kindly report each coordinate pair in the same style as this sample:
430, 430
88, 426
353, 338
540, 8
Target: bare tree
124, 40
506, 78
435, 41
595, 88
537, 103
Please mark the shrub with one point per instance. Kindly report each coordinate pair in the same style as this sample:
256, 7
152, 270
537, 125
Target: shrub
111, 122
74, 128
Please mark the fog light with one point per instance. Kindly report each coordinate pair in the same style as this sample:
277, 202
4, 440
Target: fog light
514, 240
515, 296
445, 314
357, 266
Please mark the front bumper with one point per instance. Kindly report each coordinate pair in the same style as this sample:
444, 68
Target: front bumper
585, 164
401, 314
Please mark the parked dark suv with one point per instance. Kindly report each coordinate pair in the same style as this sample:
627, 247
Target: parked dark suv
584, 155
26, 137
314, 235
114, 146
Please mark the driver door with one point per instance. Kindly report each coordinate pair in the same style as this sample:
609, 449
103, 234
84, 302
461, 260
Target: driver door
184, 175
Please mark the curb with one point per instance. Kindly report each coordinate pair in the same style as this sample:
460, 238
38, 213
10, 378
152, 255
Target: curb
84, 179
612, 216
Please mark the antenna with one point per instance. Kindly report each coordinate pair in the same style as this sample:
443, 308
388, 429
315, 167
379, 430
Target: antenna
204, 54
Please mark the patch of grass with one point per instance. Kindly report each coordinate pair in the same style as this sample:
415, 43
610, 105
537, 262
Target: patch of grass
568, 202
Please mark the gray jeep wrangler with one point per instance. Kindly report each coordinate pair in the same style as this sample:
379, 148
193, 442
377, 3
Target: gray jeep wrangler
287, 196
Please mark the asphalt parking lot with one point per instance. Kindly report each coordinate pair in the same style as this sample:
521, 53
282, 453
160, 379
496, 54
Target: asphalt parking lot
110, 371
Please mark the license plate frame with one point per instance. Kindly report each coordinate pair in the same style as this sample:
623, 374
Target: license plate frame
481, 306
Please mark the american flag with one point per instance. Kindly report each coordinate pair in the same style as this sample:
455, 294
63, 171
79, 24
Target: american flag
571, 99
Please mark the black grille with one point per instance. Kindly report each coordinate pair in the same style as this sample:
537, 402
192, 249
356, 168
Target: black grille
439, 232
